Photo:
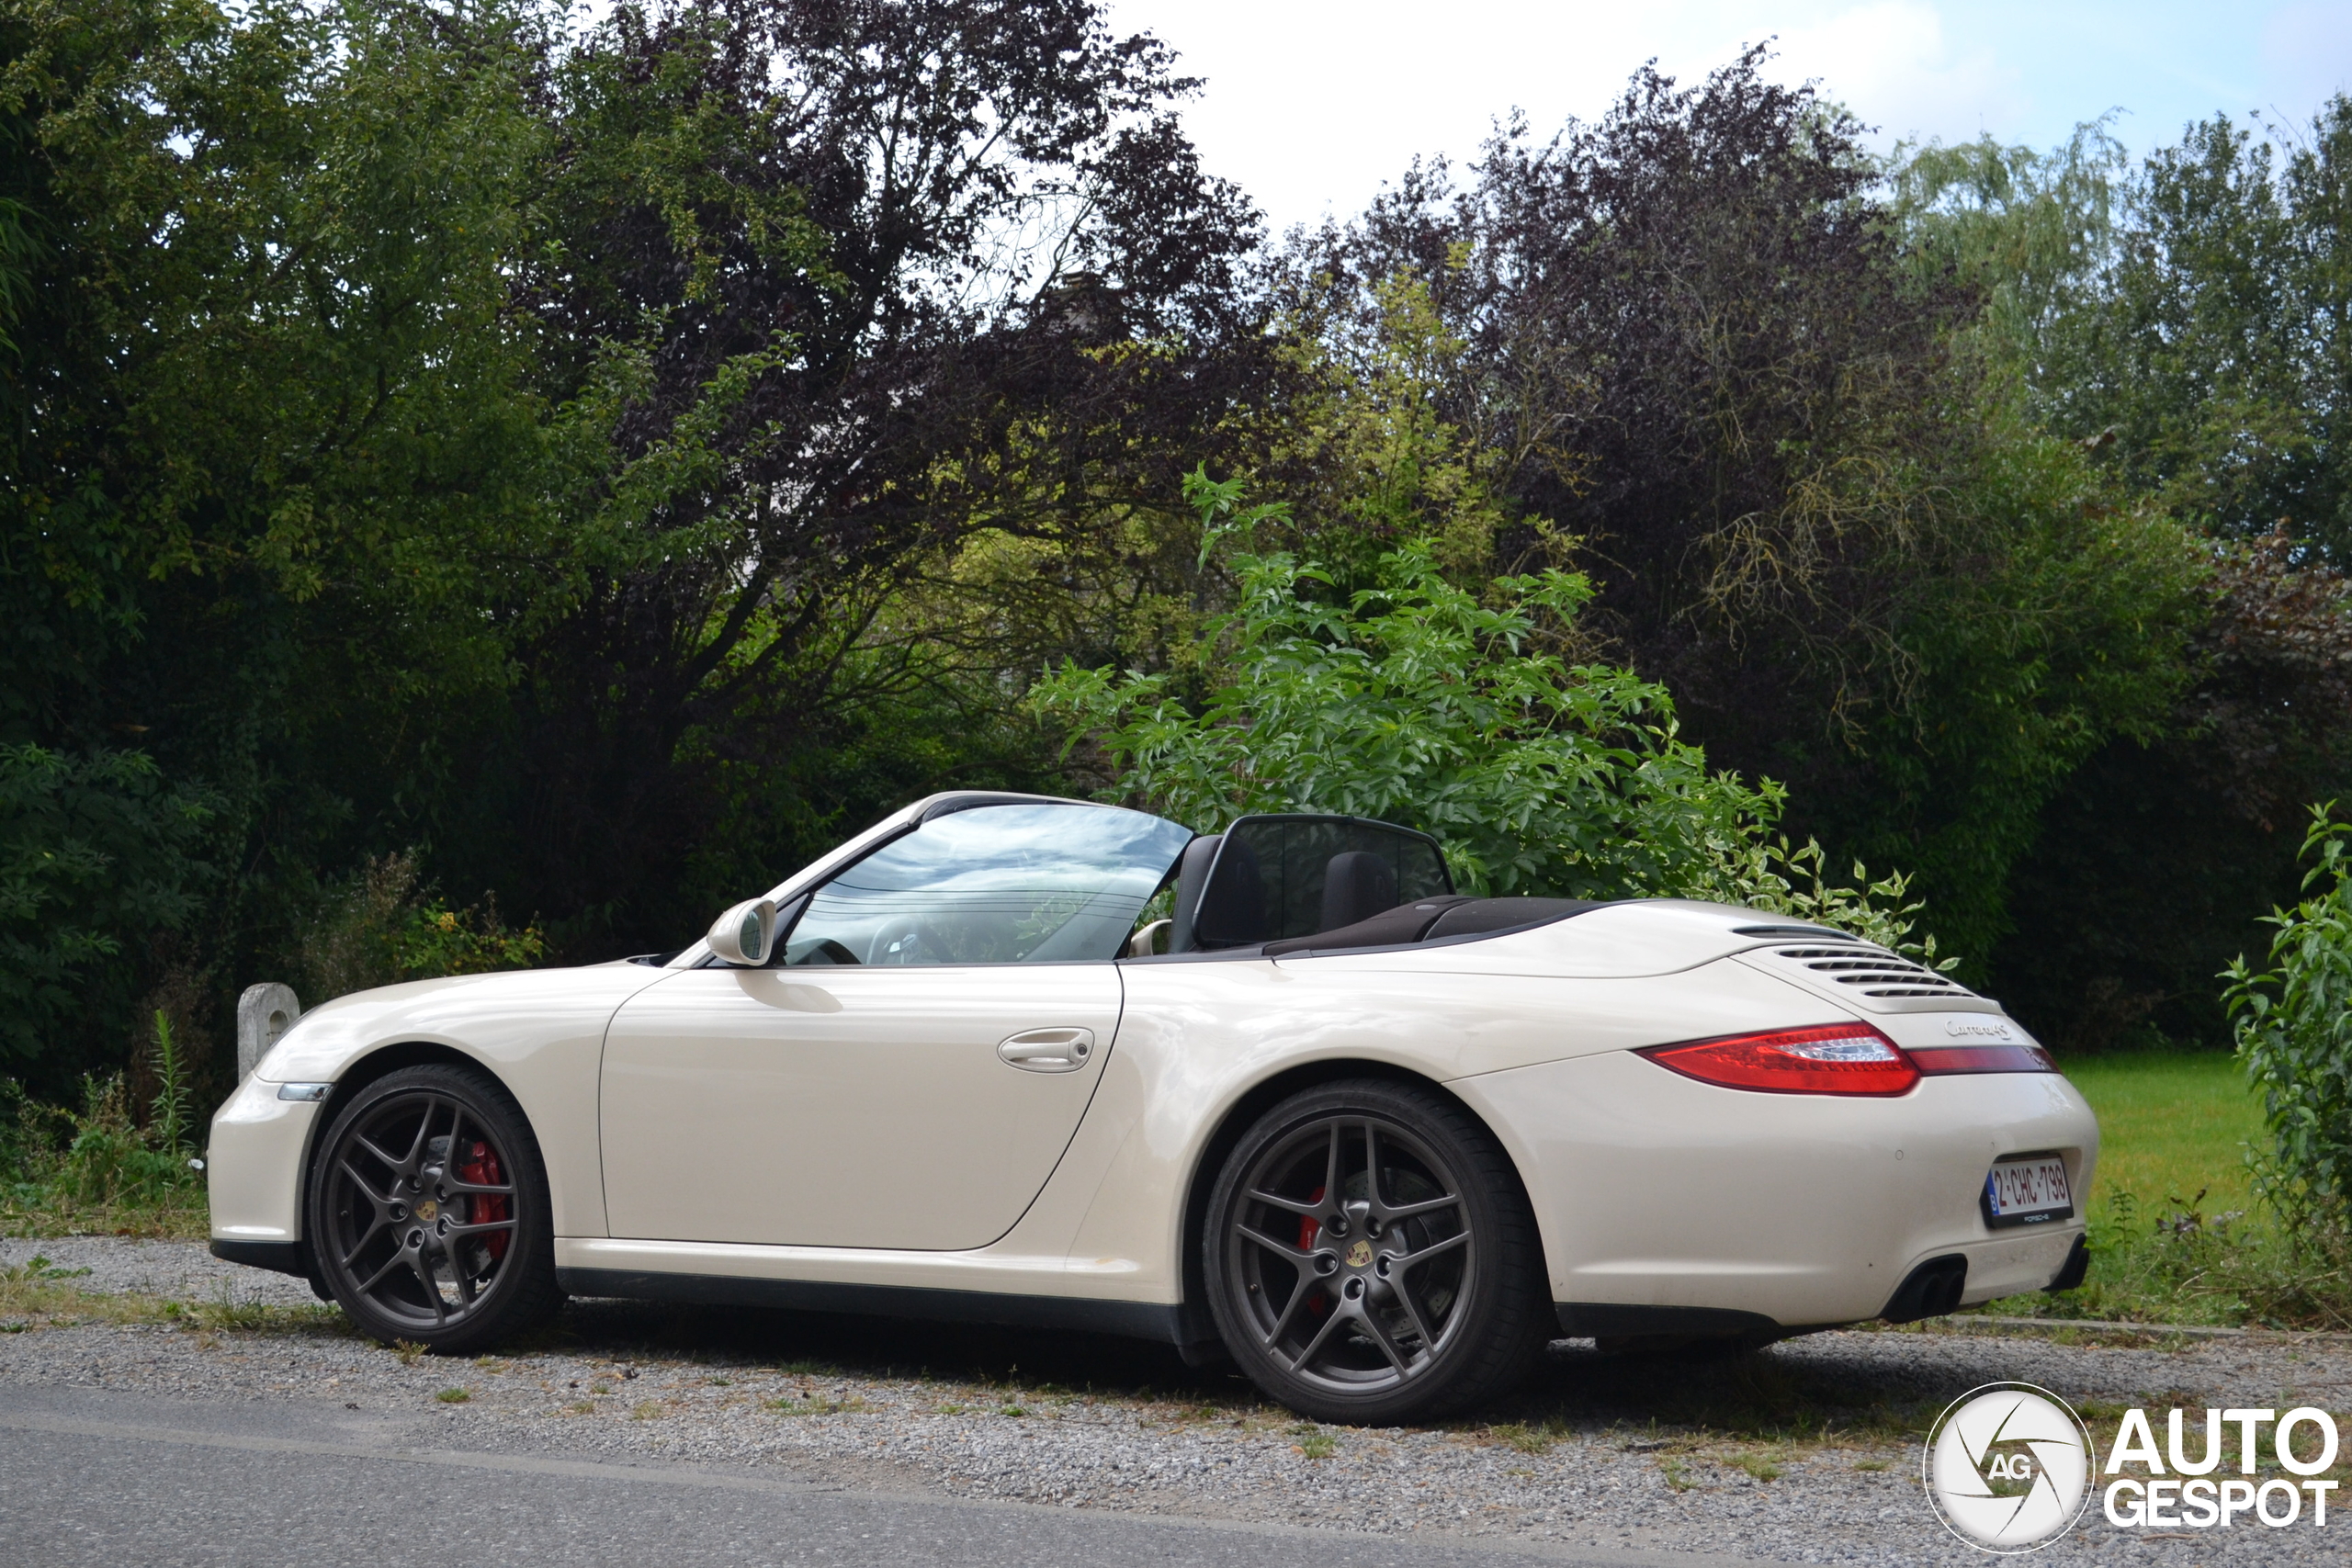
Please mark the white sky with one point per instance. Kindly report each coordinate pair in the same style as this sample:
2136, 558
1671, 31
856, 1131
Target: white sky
1310, 106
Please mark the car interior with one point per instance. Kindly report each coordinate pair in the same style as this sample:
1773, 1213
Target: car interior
1276, 884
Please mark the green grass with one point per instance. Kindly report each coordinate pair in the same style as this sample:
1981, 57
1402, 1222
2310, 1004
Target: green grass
2170, 1125
2178, 1234
30, 1210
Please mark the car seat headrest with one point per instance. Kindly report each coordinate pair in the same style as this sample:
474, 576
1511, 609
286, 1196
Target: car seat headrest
1357, 885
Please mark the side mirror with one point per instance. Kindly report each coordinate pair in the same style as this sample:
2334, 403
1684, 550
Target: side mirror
745, 934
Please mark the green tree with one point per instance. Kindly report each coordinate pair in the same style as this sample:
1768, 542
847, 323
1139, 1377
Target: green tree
504, 432
2185, 316
1413, 701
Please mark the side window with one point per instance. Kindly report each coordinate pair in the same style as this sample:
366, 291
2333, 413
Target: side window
994, 884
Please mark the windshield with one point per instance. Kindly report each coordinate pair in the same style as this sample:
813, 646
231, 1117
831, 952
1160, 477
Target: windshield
994, 884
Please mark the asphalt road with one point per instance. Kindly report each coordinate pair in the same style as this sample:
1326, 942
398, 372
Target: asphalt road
93, 1476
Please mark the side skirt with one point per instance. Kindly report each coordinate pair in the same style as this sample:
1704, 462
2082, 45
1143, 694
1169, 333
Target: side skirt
1135, 1320
1608, 1320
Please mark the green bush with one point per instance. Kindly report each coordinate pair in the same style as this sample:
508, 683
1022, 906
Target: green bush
98, 1165
383, 927
2294, 1035
97, 855
1413, 700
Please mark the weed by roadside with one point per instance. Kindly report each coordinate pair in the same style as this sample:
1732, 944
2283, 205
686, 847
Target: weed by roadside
1531, 1437
2184, 1263
98, 1169
38, 1294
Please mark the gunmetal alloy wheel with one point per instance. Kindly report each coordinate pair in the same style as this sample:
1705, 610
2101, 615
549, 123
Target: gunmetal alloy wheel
429, 1212
1370, 1255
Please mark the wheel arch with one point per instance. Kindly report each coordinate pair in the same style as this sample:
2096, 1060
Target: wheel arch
379, 1062
1196, 1325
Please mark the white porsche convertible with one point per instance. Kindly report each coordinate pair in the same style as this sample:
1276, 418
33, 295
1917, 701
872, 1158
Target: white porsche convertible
1375, 1140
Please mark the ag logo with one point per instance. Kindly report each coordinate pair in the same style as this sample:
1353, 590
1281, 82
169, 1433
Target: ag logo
2009, 1467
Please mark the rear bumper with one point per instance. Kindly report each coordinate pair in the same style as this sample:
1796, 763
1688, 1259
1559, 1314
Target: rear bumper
1656, 1191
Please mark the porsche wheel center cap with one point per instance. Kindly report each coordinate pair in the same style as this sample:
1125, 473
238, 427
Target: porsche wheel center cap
428, 1210
1359, 1255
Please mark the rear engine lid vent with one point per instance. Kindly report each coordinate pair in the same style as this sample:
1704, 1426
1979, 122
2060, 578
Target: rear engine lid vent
1861, 969
1873, 971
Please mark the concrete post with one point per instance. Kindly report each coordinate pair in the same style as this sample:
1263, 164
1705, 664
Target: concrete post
264, 1013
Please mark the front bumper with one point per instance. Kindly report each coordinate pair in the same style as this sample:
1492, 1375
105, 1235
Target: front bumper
253, 1165
1653, 1191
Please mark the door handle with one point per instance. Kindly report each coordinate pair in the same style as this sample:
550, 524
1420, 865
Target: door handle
1049, 1050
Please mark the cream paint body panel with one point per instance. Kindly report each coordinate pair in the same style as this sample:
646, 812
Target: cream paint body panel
1197, 1037
250, 1163
1941, 1031
540, 1031
1654, 1190
843, 1107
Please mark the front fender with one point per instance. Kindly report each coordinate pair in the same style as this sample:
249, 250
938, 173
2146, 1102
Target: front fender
540, 1032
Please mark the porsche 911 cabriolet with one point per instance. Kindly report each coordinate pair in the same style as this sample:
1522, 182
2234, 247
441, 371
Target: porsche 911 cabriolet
1278, 1093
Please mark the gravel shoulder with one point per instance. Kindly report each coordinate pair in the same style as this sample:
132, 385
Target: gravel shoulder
1804, 1452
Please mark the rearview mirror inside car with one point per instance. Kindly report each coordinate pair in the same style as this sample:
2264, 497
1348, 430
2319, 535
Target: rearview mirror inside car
1276, 876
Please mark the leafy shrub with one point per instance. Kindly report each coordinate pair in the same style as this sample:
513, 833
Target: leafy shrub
1767, 875
100, 1158
95, 852
383, 928
2179, 1262
2294, 1035
1412, 700
95, 1156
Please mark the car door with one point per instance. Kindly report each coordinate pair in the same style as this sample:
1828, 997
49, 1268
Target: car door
910, 1071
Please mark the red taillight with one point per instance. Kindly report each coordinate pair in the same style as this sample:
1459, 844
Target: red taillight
1831, 1059
1945, 1059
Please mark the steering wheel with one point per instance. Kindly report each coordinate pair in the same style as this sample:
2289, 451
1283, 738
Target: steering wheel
906, 939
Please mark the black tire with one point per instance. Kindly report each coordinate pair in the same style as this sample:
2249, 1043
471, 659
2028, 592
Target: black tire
427, 1212
1369, 1302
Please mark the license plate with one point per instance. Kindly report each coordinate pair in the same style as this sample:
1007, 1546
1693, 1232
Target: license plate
2028, 1190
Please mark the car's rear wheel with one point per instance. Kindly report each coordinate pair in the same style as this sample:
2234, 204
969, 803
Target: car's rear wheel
1370, 1255
428, 1213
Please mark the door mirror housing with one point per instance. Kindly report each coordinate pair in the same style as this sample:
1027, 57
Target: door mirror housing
746, 933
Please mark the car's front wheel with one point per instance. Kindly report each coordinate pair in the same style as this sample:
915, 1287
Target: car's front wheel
428, 1213
1371, 1258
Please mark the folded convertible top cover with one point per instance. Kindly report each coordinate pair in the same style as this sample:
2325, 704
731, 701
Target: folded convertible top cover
1428, 919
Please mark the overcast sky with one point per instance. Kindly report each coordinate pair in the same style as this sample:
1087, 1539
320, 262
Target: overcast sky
1311, 105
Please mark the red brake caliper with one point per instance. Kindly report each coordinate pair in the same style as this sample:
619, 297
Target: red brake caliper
481, 1168
1309, 1227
